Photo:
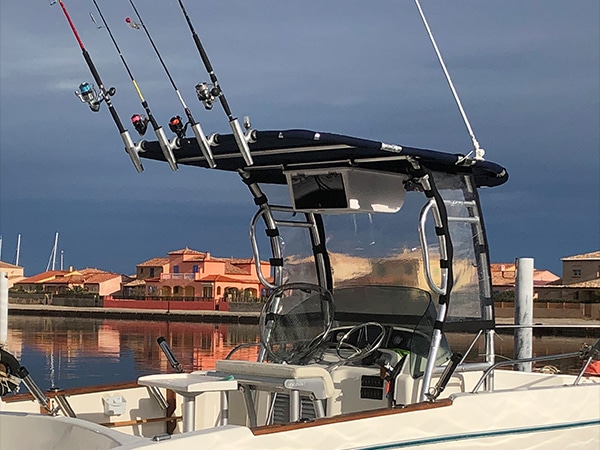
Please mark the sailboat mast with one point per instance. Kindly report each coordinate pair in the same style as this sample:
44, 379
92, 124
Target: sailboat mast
54, 250
18, 249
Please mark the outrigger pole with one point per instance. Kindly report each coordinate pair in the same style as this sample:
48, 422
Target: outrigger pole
207, 95
88, 95
139, 122
175, 123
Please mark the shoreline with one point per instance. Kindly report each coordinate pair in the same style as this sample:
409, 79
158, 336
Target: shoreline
547, 326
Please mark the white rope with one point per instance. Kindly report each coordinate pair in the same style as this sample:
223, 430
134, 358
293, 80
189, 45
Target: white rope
479, 152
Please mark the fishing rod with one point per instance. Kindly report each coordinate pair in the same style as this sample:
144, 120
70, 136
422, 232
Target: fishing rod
175, 124
87, 94
207, 95
139, 122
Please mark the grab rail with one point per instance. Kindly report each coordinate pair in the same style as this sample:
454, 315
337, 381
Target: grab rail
425, 252
491, 369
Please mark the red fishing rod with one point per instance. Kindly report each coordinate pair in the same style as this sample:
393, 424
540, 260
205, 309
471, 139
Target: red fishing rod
207, 95
88, 94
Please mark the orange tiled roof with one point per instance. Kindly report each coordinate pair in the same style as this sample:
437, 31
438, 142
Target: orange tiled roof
154, 262
233, 269
584, 256
9, 266
590, 284
504, 275
225, 279
44, 276
186, 251
100, 277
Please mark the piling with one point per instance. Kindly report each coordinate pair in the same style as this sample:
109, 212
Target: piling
524, 312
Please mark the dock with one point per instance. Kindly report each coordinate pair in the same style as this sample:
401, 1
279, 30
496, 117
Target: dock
241, 317
542, 327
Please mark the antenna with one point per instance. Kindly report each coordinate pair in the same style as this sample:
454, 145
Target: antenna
140, 123
87, 94
207, 95
479, 152
175, 123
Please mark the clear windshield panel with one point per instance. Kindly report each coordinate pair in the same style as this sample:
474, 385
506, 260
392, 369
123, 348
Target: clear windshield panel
466, 231
385, 248
377, 248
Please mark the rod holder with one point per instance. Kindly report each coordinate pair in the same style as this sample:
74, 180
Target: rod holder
240, 139
133, 151
36, 391
166, 147
176, 365
204, 145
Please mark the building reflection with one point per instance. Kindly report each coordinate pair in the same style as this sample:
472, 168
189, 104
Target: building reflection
75, 352
70, 343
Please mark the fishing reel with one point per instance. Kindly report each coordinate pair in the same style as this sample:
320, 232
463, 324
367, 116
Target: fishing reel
177, 126
87, 94
140, 123
207, 94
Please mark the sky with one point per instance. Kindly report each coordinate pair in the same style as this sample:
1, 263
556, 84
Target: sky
527, 72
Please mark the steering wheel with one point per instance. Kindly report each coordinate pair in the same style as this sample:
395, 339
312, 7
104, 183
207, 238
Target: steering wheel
360, 352
295, 320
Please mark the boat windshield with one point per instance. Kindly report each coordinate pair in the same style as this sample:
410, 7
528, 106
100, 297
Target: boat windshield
376, 248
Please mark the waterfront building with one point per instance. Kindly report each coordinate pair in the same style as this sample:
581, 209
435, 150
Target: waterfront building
504, 276
188, 274
88, 281
15, 273
580, 280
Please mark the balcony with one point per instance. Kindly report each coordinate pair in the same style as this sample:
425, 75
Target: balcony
180, 276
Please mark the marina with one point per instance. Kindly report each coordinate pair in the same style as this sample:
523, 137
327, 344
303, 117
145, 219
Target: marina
377, 328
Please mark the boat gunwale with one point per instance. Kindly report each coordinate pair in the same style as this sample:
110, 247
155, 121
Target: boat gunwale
74, 391
279, 428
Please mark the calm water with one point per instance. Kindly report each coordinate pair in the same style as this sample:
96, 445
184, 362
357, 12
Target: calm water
75, 352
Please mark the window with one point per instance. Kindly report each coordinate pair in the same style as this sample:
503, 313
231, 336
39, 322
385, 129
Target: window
151, 272
195, 268
175, 269
207, 292
218, 290
576, 272
176, 290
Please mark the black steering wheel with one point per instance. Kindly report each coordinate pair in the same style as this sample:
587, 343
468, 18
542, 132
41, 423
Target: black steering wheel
360, 351
294, 321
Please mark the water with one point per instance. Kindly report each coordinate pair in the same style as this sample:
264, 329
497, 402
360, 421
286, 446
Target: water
77, 352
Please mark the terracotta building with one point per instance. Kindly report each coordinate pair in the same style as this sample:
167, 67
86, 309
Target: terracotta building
93, 281
504, 275
188, 274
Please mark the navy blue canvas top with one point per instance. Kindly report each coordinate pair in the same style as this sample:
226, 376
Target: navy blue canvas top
275, 151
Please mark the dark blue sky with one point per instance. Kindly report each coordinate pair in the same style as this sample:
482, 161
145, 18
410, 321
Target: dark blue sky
527, 73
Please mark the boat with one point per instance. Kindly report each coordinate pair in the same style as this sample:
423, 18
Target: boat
377, 250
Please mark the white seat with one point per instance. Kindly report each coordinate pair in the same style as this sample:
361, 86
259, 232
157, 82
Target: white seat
293, 379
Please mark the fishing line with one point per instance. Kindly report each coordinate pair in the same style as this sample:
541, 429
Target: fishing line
175, 123
140, 123
87, 94
207, 95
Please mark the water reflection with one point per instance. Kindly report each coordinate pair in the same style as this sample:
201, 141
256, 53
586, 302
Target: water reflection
76, 352
69, 352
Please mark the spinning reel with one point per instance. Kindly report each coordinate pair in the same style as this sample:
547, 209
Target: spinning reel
207, 94
87, 93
